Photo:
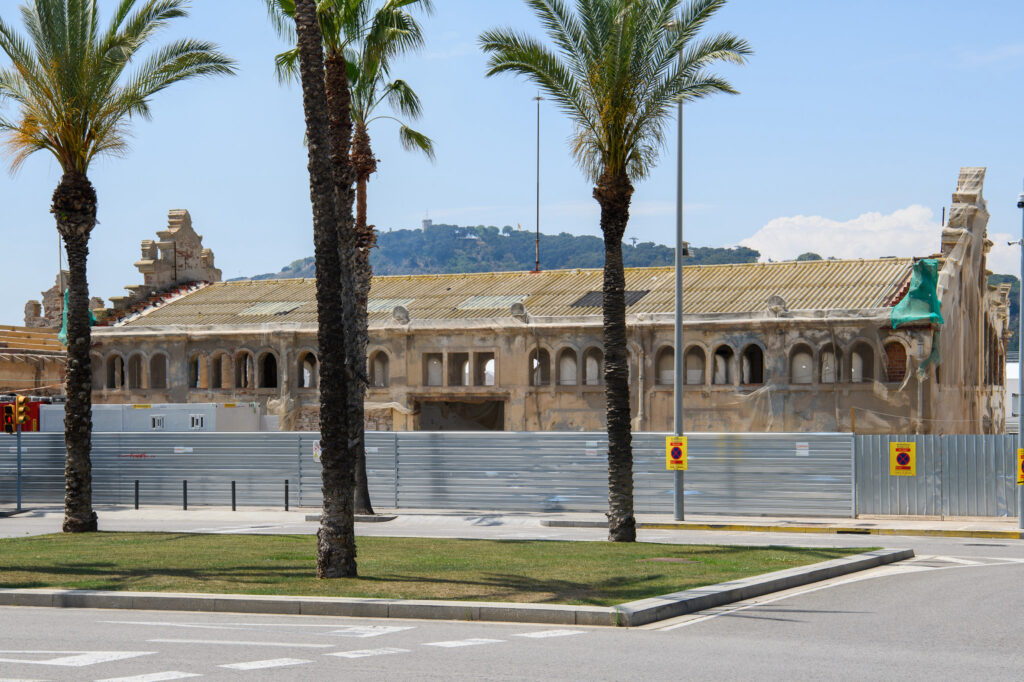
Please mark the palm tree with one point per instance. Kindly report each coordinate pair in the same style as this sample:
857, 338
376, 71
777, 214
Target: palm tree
361, 41
617, 70
74, 98
326, 99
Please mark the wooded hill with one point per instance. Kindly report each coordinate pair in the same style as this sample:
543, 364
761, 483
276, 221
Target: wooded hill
452, 248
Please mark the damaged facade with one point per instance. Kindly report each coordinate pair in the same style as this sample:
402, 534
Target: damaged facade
31, 361
795, 346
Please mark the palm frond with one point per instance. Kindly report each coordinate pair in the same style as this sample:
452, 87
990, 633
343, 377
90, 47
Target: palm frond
413, 141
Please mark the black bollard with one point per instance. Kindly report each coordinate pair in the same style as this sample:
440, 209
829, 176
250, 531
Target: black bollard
184, 495
286, 494
136, 493
233, 508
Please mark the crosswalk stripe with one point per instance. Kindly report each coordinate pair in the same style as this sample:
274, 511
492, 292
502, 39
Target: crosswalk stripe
153, 677
549, 633
464, 642
219, 642
270, 663
365, 653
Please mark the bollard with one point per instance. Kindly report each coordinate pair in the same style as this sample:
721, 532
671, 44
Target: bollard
233, 508
136, 493
184, 495
286, 494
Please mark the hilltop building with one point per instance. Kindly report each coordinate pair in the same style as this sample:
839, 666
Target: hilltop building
891, 345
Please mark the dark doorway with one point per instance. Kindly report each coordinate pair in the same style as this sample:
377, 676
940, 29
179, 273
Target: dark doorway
453, 416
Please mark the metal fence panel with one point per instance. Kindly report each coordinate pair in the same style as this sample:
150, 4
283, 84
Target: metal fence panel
957, 475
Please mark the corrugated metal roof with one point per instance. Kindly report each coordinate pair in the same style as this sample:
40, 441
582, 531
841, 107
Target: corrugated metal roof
742, 288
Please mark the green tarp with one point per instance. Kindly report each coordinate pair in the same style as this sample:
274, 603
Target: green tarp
921, 304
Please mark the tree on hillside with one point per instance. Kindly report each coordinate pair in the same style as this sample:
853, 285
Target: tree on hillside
810, 255
370, 38
618, 70
325, 102
74, 98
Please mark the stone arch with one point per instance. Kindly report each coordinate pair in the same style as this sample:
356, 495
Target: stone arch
307, 370
665, 366
801, 364
593, 367
114, 371
158, 370
830, 361
198, 371
895, 361
221, 370
862, 362
568, 367
752, 369
245, 369
136, 371
696, 365
269, 376
380, 369
722, 372
540, 366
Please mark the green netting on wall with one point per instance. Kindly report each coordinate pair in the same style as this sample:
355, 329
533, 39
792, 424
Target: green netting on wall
921, 304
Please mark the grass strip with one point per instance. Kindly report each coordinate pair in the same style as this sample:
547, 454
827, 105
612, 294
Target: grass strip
591, 573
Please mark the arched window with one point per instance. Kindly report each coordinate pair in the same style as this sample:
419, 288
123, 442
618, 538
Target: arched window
220, 371
490, 372
540, 367
593, 367
801, 365
829, 364
862, 364
158, 371
115, 372
753, 365
459, 372
567, 367
695, 364
484, 367
433, 369
195, 371
244, 370
665, 366
723, 366
135, 368
268, 371
895, 361
307, 375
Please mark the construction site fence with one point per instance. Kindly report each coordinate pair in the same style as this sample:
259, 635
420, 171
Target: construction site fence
805, 474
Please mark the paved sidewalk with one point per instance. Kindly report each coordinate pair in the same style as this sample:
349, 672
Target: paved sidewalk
1005, 528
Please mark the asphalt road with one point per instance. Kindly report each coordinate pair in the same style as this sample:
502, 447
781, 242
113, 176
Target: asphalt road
953, 612
932, 618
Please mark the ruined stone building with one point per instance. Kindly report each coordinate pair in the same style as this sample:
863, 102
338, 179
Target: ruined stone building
31, 361
890, 345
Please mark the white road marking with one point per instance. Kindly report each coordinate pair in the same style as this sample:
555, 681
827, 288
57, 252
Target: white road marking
77, 660
549, 633
218, 642
364, 653
912, 566
153, 677
271, 663
369, 630
463, 642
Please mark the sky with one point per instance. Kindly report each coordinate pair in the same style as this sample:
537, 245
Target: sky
846, 140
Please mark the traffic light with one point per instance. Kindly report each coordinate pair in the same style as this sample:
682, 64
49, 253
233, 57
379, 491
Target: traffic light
8, 418
21, 409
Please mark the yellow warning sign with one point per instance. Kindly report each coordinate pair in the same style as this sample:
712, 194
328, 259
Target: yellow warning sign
902, 459
675, 453
1020, 466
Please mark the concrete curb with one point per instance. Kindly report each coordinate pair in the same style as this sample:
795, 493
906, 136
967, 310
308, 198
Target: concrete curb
360, 518
679, 603
629, 614
828, 530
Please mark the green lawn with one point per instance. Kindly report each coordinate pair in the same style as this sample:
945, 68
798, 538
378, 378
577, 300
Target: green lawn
595, 573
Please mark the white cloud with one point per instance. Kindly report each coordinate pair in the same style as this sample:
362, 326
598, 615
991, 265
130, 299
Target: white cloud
911, 231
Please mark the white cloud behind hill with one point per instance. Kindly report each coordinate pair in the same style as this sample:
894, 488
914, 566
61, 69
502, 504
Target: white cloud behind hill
911, 231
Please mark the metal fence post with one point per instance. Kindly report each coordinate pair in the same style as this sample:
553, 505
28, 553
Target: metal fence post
136, 493
233, 507
286, 494
396, 468
184, 495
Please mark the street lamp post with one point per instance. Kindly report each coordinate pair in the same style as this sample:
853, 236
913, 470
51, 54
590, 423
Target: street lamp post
1020, 371
536, 267
677, 381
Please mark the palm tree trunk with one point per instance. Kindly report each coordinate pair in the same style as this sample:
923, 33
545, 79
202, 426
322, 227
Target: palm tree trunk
339, 106
74, 205
614, 193
336, 547
364, 165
